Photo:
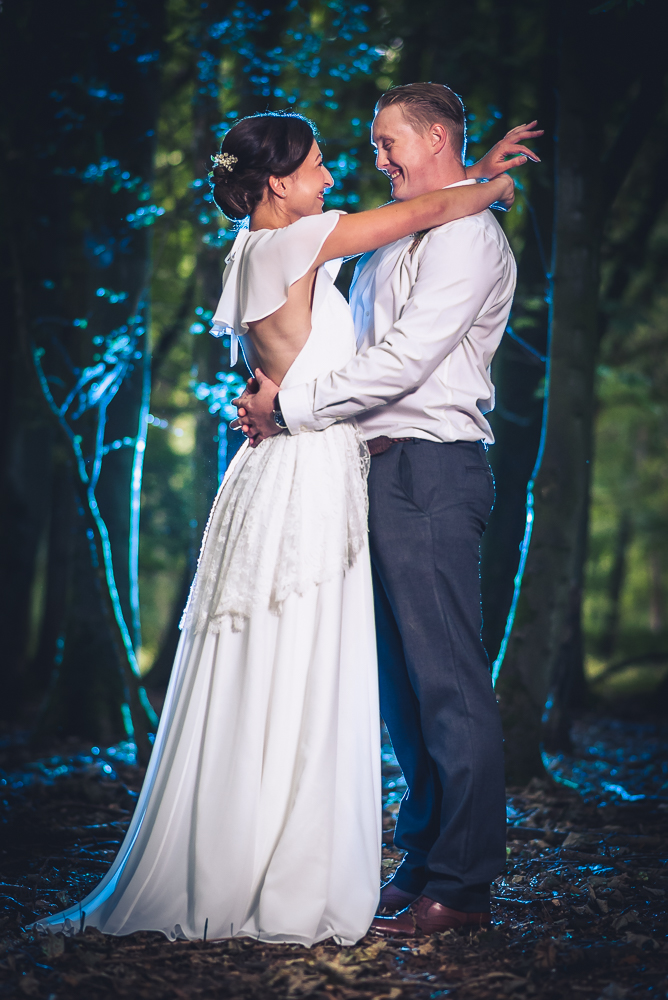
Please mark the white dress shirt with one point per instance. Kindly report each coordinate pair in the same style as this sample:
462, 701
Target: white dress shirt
428, 320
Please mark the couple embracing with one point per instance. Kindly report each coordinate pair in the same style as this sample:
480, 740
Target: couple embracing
260, 814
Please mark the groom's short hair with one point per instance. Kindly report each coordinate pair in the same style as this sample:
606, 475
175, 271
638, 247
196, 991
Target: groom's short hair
423, 104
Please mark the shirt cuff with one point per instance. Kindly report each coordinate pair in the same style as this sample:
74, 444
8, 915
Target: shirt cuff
296, 405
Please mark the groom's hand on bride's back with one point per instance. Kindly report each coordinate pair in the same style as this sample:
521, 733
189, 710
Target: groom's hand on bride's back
255, 409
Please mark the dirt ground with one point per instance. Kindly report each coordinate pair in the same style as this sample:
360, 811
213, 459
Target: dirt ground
579, 912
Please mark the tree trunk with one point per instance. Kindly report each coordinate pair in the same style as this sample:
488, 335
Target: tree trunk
569, 692
553, 571
58, 582
656, 594
80, 701
608, 639
157, 678
80, 249
518, 374
207, 351
24, 512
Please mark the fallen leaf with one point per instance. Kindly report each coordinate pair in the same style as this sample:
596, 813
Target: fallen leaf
72, 979
579, 840
630, 917
368, 954
641, 941
583, 911
545, 955
54, 946
29, 985
613, 991
424, 949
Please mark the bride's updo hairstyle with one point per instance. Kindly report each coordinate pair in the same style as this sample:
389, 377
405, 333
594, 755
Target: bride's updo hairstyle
255, 149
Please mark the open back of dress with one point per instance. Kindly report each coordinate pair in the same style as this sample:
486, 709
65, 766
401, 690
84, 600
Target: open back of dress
260, 811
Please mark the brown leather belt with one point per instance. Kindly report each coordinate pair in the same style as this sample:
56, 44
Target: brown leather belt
380, 444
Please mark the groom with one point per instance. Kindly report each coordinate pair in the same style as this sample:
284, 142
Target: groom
430, 311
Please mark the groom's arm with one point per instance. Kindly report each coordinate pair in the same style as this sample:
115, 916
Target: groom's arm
460, 270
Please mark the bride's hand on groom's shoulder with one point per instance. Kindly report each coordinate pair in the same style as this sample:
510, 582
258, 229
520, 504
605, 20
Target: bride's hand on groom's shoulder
255, 408
509, 152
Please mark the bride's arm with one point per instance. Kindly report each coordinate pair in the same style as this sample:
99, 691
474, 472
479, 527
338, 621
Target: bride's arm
366, 231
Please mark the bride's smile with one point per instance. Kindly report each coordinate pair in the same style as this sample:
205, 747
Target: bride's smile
293, 197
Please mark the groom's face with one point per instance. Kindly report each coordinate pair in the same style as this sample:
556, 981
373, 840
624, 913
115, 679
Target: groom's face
404, 154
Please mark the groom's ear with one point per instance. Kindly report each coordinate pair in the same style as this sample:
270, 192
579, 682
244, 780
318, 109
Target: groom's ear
438, 137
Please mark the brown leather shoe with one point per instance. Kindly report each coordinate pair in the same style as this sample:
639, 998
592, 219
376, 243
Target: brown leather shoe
426, 916
393, 899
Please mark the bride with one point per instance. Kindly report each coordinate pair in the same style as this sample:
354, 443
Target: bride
260, 812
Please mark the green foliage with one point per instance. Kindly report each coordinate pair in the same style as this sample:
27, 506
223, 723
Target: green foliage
327, 60
630, 480
330, 61
317, 58
603, 8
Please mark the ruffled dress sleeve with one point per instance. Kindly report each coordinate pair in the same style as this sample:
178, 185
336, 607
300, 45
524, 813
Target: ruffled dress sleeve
260, 269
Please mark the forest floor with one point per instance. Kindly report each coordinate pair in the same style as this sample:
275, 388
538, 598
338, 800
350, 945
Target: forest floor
580, 911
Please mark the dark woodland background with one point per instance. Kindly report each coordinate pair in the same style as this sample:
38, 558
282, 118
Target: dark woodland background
112, 392
114, 411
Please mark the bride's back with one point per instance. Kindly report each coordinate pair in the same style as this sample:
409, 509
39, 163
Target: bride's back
273, 343
292, 319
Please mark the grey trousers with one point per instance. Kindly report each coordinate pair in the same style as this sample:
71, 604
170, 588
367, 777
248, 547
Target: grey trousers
429, 505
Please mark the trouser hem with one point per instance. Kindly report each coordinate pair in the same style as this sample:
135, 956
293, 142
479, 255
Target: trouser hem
410, 879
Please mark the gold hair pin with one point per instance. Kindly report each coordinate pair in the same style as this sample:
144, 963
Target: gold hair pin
225, 160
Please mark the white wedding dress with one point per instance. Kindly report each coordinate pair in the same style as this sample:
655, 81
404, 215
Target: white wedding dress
260, 812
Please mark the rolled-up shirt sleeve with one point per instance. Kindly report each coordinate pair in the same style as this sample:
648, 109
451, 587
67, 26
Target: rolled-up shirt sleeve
459, 272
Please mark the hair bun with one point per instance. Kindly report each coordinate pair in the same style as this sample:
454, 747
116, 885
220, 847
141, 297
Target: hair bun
220, 175
255, 149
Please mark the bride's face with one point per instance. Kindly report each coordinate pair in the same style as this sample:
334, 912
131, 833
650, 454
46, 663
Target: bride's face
303, 192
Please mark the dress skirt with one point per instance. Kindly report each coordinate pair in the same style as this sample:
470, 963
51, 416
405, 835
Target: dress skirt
260, 812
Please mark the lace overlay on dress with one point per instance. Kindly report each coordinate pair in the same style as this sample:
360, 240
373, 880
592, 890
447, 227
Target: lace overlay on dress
289, 514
